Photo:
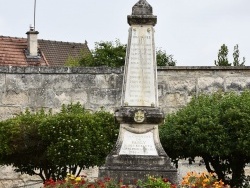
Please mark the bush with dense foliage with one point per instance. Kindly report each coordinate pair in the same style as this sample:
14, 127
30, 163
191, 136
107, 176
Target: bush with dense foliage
53, 145
215, 127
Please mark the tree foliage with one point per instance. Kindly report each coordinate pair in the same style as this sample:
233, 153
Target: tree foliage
112, 54
223, 57
53, 145
236, 57
163, 59
215, 127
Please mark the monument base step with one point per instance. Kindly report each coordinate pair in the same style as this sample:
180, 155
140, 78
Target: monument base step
129, 176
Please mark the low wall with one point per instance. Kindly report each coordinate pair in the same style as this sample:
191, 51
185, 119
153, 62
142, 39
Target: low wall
50, 87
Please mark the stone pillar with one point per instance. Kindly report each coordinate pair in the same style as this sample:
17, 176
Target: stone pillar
138, 151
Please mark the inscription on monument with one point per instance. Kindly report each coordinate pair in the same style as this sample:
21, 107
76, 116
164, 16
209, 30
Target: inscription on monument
138, 144
140, 87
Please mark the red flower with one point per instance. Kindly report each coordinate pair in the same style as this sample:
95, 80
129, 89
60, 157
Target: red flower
107, 179
91, 186
165, 180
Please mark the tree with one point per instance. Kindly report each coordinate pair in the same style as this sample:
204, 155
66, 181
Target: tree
53, 145
236, 56
112, 54
215, 127
163, 59
222, 57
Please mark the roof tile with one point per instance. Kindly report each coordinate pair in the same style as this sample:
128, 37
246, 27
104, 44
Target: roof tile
12, 52
53, 53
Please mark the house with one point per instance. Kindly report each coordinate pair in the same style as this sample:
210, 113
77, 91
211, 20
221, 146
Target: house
31, 51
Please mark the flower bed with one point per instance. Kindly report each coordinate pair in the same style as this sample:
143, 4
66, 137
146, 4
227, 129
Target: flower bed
191, 180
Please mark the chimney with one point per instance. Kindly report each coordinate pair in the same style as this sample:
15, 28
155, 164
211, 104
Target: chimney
32, 43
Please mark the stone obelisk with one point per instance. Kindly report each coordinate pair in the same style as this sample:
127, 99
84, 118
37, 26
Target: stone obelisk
138, 151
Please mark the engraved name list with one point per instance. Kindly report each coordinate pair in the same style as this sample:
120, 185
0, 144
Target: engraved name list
140, 86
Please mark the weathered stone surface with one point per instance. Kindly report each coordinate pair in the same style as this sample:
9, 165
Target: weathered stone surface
37, 97
10, 81
106, 81
4, 69
79, 96
28, 81
174, 99
9, 111
10, 179
56, 82
54, 70
17, 70
178, 84
238, 83
12, 98
32, 69
107, 96
2, 82
83, 81
210, 84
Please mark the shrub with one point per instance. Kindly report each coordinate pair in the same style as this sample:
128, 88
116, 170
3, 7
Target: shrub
52, 145
215, 127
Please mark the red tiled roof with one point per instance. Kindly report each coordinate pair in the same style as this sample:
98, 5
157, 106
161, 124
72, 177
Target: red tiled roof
12, 53
53, 53
57, 52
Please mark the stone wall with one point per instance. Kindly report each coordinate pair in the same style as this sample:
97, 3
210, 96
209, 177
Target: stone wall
50, 87
37, 87
177, 85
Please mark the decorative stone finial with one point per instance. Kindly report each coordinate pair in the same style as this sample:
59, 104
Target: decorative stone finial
142, 7
142, 14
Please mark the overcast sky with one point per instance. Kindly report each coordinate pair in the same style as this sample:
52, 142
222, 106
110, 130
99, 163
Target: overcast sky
191, 30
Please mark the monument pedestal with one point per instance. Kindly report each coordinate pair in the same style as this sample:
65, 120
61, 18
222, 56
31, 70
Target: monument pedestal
138, 152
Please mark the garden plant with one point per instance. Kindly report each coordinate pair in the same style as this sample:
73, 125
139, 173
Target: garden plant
52, 145
215, 127
191, 180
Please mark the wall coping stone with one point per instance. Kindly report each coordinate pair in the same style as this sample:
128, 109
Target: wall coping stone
164, 68
105, 69
59, 70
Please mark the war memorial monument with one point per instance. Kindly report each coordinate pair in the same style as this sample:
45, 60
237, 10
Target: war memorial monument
138, 152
